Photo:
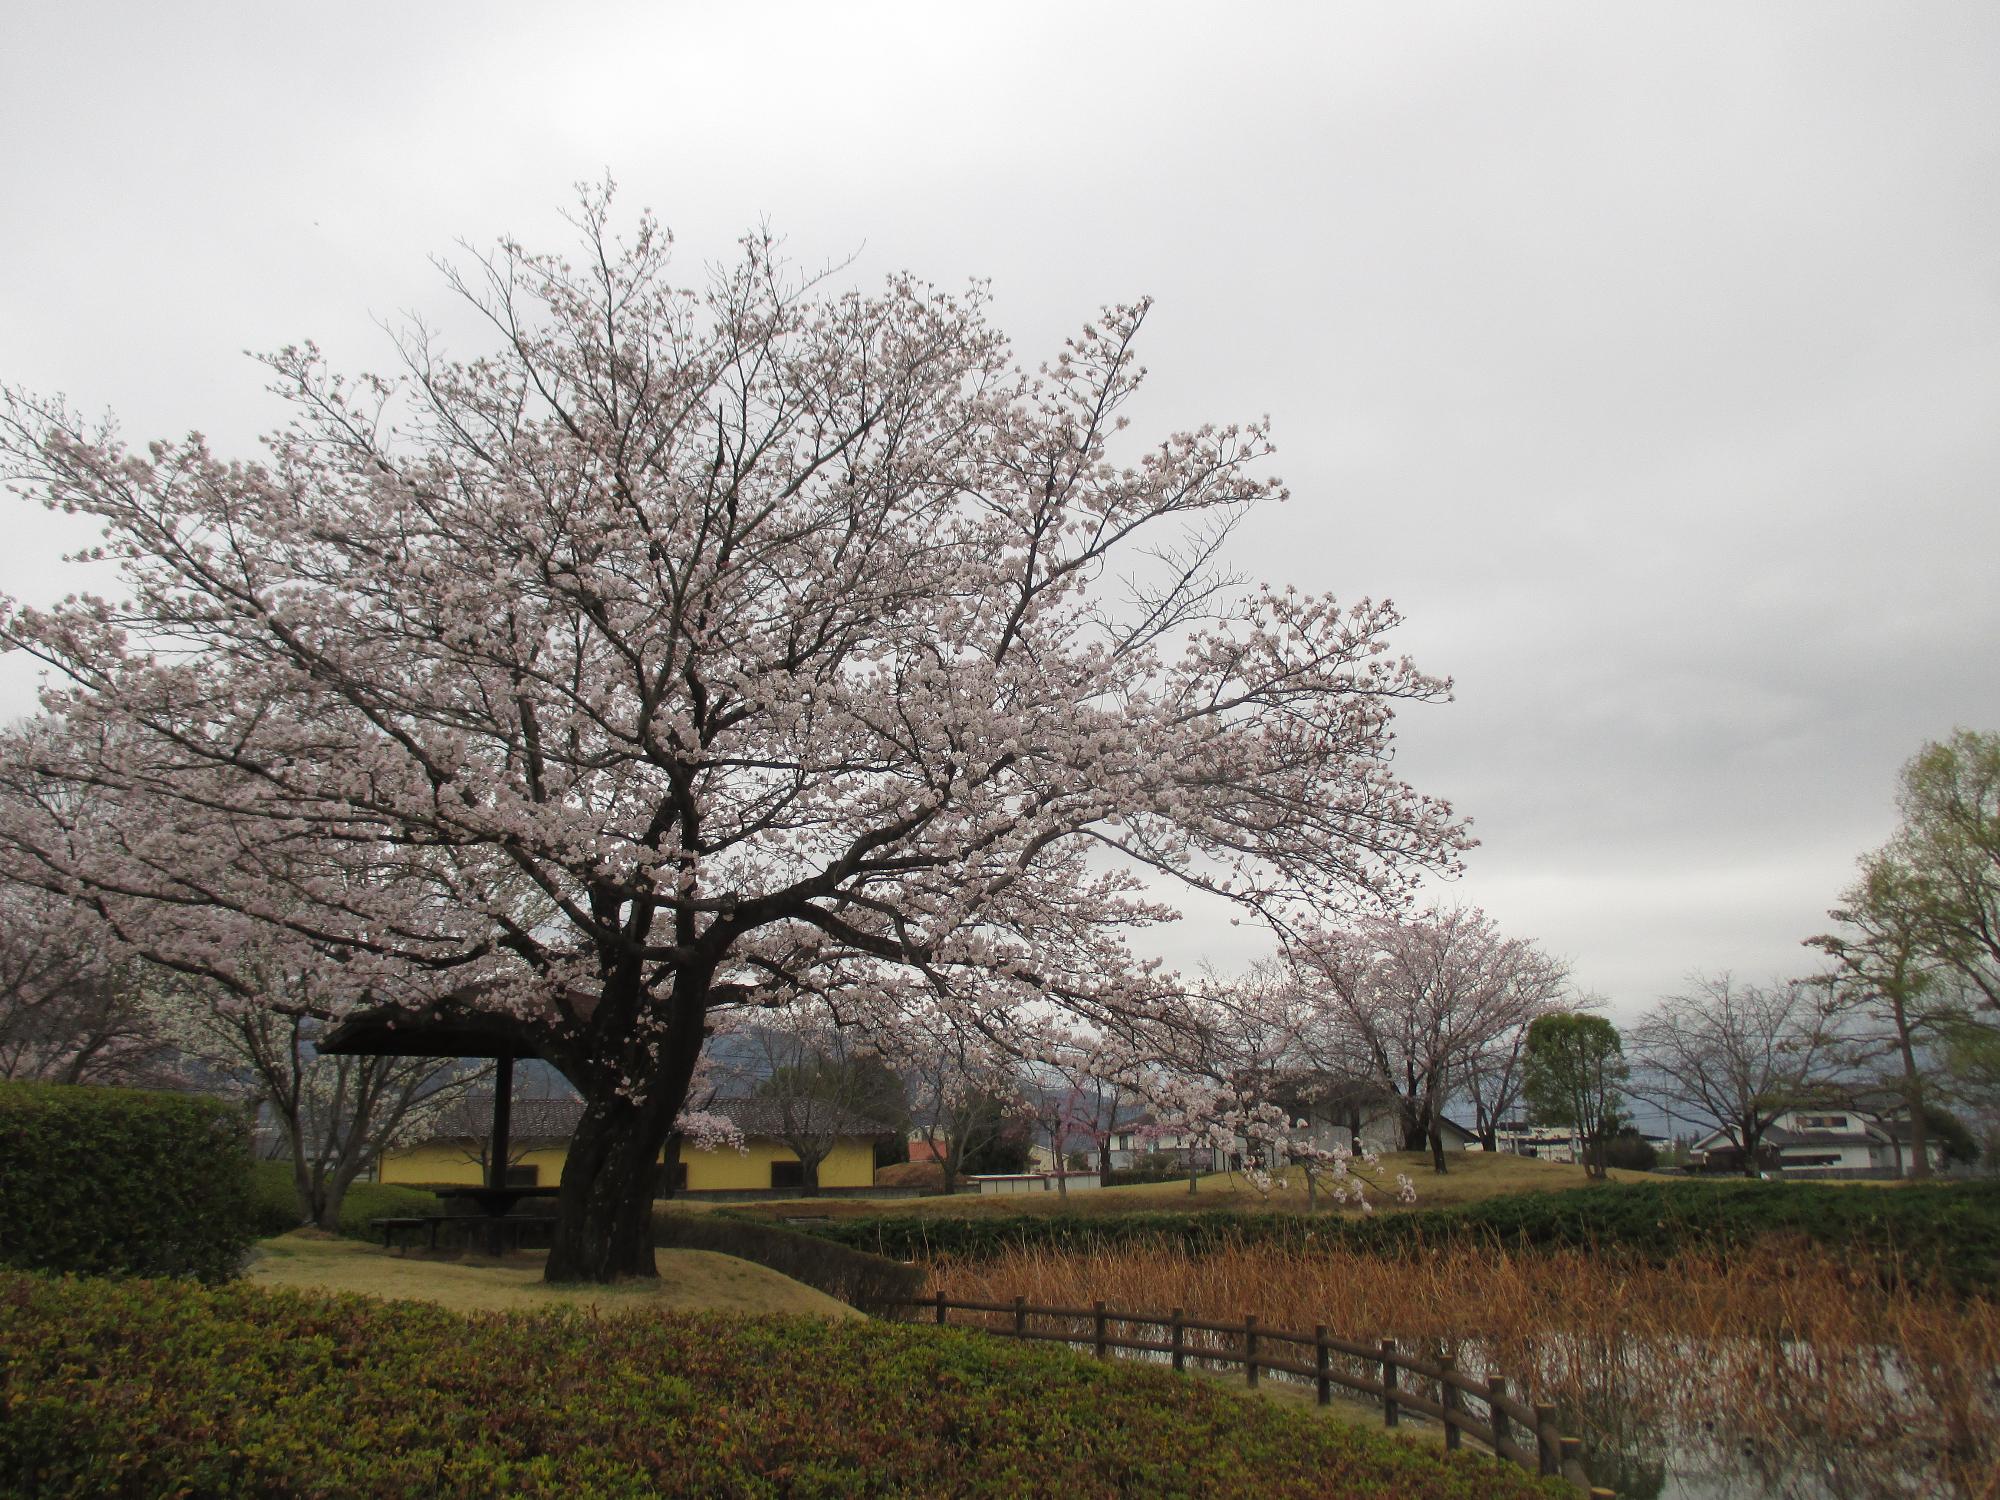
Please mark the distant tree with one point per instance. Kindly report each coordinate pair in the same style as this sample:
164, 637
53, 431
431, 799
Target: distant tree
1917, 947
1896, 1000
1953, 1136
959, 1086
1410, 1002
1574, 1074
337, 1114
821, 1077
999, 1133
1738, 1054
1949, 845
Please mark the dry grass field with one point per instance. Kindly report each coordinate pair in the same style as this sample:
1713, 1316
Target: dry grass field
690, 1280
1788, 1350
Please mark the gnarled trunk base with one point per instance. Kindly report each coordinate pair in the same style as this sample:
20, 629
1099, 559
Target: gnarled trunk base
604, 1216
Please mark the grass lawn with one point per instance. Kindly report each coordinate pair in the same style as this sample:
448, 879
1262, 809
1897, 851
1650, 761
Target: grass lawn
690, 1280
1474, 1175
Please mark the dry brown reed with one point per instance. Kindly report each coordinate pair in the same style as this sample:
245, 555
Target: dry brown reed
1780, 1356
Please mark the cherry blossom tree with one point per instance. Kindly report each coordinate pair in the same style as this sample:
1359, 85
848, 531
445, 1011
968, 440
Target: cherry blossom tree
684, 648
962, 1090
1412, 1002
72, 1006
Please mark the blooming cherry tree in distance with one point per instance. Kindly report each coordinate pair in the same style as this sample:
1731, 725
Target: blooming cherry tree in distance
684, 649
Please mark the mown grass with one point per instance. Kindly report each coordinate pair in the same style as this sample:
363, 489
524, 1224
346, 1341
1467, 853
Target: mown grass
127, 1389
690, 1280
1474, 1176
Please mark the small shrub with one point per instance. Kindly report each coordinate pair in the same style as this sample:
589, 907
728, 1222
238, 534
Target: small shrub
928, 1175
123, 1182
853, 1276
1631, 1152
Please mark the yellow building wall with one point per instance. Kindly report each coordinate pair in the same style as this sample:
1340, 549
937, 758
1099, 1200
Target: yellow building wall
849, 1164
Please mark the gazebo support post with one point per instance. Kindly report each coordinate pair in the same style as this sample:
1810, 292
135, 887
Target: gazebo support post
503, 1111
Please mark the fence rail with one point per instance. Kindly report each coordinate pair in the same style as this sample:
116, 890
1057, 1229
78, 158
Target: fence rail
1514, 1430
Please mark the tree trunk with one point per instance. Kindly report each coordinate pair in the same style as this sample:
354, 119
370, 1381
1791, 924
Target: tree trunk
1416, 1127
604, 1214
1913, 1097
1437, 1146
1750, 1143
809, 1175
632, 1095
948, 1164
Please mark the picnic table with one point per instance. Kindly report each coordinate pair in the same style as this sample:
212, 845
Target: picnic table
495, 1222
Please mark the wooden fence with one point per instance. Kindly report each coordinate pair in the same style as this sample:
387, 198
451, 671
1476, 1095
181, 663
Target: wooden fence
1436, 1388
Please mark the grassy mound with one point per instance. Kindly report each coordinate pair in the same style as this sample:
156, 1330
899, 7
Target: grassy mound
690, 1280
143, 1389
853, 1275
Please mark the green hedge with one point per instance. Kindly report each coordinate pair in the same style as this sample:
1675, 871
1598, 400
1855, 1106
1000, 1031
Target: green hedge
1943, 1235
123, 1182
133, 1389
277, 1202
855, 1276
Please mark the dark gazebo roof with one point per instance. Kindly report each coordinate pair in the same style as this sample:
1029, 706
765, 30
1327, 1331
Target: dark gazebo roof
455, 1026
435, 1031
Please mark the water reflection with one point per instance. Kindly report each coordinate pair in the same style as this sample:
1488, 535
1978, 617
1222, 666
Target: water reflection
1776, 1420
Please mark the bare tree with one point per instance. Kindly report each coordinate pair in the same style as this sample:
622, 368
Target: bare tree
337, 1114
821, 1080
1739, 1054
963, 1095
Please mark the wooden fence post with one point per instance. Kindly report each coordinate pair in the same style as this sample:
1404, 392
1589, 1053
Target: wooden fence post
1175, 1338
1250, 1349
1319, 1364
1388, 1382
1020, 1317
1572, 1455
1496, 1392
940, 1307
1448, 1394
1545, 1445
1097, 1312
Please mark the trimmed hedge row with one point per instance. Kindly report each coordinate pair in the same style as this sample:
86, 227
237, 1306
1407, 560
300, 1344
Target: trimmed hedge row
123, 1182
144, 1389
855, 1276
1944, 1235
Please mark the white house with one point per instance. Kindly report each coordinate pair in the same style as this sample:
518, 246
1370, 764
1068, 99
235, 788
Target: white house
1824, 1142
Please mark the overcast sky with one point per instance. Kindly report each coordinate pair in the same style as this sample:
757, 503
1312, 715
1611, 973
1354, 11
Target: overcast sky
1650, 360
